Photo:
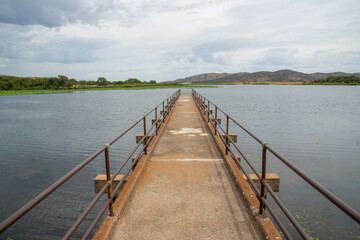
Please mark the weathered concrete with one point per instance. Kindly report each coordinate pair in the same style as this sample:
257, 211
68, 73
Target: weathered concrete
233, 136
100, 180
185, 190
140, 136
218, 120
153, 121
271, 178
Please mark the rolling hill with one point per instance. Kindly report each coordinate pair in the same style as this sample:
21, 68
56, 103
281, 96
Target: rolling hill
262, 76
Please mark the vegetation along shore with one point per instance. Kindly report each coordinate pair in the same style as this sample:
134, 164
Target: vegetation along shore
11, 85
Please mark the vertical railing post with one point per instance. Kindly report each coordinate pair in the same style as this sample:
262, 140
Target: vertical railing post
156, 121
202, 103
215, 118
208, 110
163, 104
227, 134
108, 179
263, 178
145, 149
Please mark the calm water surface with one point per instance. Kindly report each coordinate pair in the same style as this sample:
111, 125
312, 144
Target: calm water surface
42, 137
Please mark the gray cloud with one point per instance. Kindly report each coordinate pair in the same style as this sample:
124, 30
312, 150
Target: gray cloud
58, 13
46, 13
277, 57
33, 46
67, 51
206, 51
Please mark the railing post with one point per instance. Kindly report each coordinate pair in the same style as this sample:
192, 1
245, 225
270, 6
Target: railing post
156, 121
215, 118
208, 110
263, 177
163, 104
145, 149
227, 134
108, 179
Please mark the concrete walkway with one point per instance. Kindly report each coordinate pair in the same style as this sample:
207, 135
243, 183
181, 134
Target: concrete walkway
185, 191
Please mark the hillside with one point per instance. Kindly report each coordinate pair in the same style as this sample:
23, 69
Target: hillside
262, 76
202, 77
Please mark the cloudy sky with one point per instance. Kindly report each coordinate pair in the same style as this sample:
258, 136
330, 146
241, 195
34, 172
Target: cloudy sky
170, 39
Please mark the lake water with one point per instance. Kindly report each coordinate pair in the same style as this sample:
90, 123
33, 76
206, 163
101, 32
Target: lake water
42, 137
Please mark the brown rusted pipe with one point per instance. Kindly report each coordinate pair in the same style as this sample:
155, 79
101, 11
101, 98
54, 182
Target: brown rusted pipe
227, 134
108, 179
335, 200
30, 205
263, 177
156, 121
85, 213
215, 119
145, 150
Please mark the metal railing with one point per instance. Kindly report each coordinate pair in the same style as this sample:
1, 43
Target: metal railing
204, 106
166, 106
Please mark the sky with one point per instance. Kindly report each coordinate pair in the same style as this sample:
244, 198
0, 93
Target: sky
165, 40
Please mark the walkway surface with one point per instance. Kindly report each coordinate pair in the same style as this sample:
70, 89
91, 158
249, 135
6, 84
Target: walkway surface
185, 191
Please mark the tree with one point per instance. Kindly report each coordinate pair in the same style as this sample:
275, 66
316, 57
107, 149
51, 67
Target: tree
132, 81
118, 82
102, 81
152, 82
64, 81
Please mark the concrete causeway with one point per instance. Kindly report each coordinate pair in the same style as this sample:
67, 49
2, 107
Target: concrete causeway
185, 190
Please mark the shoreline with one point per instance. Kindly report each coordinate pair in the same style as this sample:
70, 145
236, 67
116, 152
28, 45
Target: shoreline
202, 85
52, 91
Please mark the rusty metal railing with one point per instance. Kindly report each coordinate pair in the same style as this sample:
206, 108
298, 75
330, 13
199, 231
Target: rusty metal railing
229, 143
166, 106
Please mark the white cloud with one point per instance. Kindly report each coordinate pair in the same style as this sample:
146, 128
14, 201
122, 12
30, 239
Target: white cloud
165, 40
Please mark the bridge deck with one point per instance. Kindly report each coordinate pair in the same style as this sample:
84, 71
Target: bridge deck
185, 190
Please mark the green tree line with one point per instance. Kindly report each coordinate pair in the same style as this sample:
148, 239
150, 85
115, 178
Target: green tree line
62, 82
341, 80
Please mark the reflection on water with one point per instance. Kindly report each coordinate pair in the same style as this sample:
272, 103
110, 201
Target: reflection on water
42, 137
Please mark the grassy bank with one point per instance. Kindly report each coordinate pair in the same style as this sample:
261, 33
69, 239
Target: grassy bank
28, 92
125, 87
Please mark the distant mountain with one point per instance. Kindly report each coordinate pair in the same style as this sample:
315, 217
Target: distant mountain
262, 76
203, 77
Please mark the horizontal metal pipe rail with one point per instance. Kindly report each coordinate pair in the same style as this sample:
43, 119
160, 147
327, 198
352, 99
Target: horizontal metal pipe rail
228, 142
166, 105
